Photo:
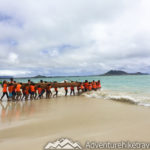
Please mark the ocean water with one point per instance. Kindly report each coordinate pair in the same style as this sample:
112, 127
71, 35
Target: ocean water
133, 89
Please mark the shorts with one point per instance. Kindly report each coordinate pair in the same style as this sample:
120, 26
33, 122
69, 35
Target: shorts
13, 93
18, 93
10, 94
29, 91
43, 91
32, 93
48, 92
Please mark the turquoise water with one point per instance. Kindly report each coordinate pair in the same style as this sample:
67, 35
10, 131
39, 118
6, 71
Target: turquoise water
130, 88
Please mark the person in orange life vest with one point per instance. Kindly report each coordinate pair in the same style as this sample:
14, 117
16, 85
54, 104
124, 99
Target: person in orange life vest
86, 85
32, 89
27, 92
18, 91
66, 89
29, 82
56, 90
82, 87
90, 86
98, 84
23, 92
4, 90
35, 93
72, 90
50, 87
43, 89
39, 91
14, 91
78, 89
94, 85
10, 90
48, 91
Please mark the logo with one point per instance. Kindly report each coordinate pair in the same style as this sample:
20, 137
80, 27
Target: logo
63, 143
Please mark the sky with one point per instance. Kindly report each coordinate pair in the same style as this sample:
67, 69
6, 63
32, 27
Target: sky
74, 37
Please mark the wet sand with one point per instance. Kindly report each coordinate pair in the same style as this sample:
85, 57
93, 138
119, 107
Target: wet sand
31, 124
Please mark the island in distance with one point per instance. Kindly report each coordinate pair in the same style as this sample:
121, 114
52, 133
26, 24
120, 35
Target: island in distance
119, 72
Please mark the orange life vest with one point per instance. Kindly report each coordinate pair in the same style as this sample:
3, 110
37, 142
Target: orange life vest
39, 90
66, 88
98, 85
27, 90
4, 87
72, 87
94, 85
86, 85
49, 88
56, 89
32, 88
90, 87
82, 87
10, 88
18, 87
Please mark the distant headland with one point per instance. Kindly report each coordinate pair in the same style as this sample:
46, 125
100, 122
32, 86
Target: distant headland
120, 72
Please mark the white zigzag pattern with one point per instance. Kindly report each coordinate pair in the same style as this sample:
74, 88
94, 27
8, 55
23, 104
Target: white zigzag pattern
62, 144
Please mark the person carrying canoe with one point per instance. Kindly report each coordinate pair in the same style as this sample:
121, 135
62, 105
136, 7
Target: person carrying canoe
48, 91
18, 91
90, 86
72, 89
94, 85
98, 84
56, 92
66, 89
86, 83
4, 90
10, 90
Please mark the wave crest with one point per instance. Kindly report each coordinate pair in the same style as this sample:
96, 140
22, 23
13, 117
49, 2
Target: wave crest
120, 97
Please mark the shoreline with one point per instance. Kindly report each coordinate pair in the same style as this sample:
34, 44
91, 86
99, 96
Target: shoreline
78, 118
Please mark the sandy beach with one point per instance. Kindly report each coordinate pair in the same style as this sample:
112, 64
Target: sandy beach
78, 118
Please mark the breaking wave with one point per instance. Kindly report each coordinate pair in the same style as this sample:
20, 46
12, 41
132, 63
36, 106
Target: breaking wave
129, 98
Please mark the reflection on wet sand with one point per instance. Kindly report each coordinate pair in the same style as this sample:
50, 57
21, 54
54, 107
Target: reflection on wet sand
12, 111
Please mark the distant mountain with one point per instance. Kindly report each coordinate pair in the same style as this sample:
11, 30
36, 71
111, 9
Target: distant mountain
138, 73
40, 76
115, 72
119, 72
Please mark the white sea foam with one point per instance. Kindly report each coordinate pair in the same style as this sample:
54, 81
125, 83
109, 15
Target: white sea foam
142, 100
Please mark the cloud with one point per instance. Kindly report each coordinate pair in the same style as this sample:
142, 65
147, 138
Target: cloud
72, 37
13, 72
13, 58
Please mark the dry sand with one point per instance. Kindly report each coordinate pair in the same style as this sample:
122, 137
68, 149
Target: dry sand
31, 126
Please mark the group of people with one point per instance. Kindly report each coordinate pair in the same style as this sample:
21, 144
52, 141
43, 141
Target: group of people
20, 91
